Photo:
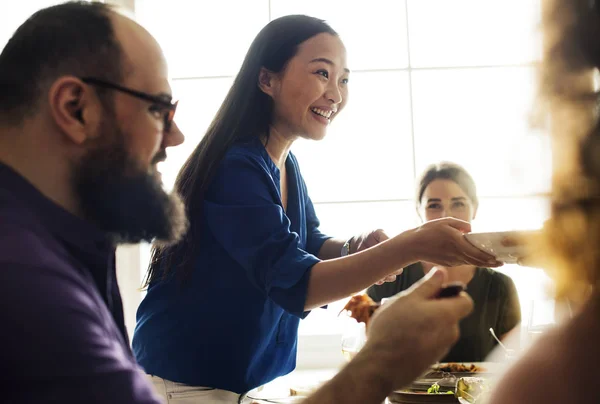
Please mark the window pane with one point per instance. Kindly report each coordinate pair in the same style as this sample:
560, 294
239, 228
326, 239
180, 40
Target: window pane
503, 214
367, 154
199, 101
500, 214
379, 43
479, 118
533, 287
473, 32
344, 220
203, 38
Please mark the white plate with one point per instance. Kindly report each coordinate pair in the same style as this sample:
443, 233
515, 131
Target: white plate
492, 244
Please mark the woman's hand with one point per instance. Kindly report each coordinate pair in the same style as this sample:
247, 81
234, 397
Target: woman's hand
368, 240
442, 242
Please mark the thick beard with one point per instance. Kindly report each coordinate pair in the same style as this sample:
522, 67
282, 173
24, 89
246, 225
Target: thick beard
124, 200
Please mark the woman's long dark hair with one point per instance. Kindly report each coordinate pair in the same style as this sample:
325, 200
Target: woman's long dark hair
245, 113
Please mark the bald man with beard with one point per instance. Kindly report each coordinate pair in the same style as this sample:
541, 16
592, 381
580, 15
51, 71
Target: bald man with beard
85, 116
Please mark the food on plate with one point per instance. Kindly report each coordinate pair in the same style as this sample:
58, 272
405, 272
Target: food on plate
457, 368
435, 389
472, 389
361, 308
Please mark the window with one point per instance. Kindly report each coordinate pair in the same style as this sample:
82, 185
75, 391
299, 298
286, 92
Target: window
199, 100
432, 80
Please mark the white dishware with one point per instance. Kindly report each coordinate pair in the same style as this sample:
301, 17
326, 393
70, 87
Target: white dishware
492, 244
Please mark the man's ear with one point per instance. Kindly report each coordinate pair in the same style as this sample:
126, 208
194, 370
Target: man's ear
267, 81
69, 105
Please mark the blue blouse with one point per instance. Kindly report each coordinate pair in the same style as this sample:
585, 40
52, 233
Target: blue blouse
234, 324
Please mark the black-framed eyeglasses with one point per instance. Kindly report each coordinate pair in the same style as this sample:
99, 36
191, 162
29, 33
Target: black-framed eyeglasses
169, 107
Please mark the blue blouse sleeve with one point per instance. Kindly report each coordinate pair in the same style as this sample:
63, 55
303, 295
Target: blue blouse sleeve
315, 238
242, 209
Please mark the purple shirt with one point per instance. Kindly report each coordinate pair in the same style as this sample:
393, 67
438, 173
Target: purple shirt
62, 332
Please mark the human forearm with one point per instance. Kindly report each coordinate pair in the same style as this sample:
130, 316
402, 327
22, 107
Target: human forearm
405, 336
338, 278
332, 248
438, 241
362, 381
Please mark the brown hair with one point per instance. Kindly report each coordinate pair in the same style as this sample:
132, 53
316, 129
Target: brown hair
447, 171
568, 108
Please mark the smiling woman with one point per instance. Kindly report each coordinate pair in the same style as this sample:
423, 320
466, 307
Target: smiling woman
254, 243
311, 90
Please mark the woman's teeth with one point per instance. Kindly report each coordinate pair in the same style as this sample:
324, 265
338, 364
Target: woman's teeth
319, 111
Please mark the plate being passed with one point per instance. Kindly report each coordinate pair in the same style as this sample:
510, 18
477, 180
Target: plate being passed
492, 244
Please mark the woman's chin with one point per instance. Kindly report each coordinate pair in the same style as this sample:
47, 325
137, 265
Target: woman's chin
315, 135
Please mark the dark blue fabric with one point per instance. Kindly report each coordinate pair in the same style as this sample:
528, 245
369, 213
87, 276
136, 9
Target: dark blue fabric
234, 324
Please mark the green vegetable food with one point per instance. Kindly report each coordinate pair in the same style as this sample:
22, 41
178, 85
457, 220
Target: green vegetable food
435, 389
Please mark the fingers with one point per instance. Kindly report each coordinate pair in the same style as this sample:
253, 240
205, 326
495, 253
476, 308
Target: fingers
476, 256
453, 309
389, 278
458, 224
368, 240
487, 262
380, 235
461, 305
431, 284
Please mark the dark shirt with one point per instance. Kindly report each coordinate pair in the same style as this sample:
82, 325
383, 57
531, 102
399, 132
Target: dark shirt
234, 324
496, 306
62, 335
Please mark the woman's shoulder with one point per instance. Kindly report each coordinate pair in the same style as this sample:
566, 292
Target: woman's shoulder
246, 157
493, 284
241, 169
496, 277
245, 151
